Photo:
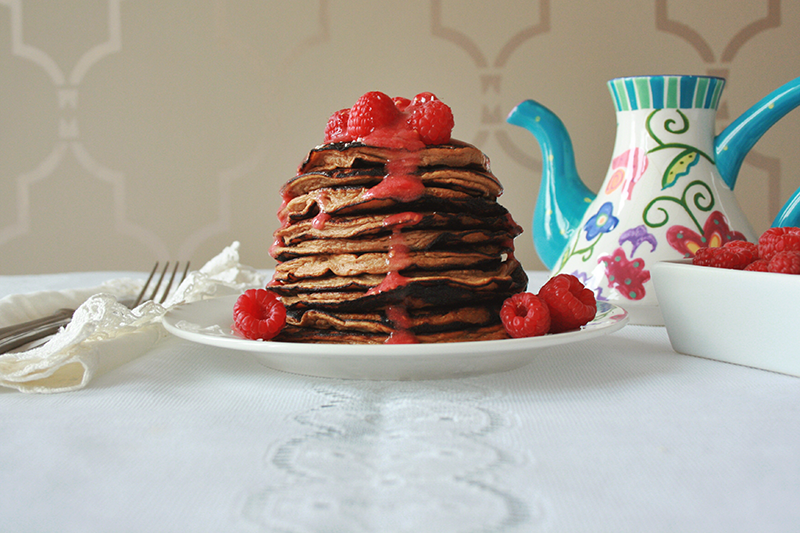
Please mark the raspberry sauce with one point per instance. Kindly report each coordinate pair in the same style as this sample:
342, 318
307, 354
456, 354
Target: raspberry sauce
401, 322
320, 220
401, 188
393, 281
406, 126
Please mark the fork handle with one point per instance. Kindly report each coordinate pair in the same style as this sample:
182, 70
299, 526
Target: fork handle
21, 334
36, 322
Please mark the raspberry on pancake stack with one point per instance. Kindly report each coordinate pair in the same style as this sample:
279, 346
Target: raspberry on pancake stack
391, 232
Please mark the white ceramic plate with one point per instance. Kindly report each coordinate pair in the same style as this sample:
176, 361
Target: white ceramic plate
209, 322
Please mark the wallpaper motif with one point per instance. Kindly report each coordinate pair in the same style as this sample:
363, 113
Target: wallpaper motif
136, 131
721, 67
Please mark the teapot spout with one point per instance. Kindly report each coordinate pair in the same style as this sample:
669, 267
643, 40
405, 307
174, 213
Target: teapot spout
734, 142
563, 198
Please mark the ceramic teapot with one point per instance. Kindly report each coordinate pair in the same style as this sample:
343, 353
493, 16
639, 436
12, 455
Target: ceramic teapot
668, 190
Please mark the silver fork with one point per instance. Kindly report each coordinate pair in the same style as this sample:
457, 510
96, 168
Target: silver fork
12, 337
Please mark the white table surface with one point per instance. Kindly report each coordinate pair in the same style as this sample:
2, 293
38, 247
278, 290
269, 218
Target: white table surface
620, 434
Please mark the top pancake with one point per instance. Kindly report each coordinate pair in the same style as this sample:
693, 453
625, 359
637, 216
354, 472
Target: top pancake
457, 154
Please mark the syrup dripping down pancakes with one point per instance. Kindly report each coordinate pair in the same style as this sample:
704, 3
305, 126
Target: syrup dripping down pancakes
387, 238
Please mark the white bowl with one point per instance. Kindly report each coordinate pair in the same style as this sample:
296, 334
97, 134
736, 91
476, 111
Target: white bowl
747, 318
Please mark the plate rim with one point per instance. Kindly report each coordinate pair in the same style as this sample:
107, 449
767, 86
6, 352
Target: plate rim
465, 349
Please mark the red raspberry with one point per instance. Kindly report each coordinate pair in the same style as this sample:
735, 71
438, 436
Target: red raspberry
787, 262
748, 249
258, 314
571, 304
336, 129
401, 103
373, 110
423, 98
525, 315
433, 120
759, 265
721, 258
776, 240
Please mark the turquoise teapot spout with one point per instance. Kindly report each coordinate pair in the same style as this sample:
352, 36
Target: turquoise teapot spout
668, 123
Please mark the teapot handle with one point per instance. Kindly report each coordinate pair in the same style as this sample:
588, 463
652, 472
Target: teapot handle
734, 142
789, 215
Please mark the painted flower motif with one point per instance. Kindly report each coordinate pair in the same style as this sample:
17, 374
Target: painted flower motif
627, 168
716, 232
583, 277
628, 276
636, 236
601, 222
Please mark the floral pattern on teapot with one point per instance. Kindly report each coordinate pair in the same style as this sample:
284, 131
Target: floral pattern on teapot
628, 274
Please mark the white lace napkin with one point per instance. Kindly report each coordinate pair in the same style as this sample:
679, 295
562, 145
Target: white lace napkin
104, 333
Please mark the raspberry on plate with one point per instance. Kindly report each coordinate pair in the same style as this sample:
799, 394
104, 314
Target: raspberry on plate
525, 315
776, 240
786, 262
258, 314
571, 304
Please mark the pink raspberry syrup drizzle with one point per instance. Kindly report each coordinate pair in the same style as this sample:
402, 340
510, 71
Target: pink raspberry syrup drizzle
398, 259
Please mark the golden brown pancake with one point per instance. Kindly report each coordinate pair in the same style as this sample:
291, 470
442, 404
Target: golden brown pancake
329, 336
354, 227
380, 320
470, 181
456, 154
419, 289
356, 200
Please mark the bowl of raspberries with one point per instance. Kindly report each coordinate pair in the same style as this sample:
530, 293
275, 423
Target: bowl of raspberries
738, 303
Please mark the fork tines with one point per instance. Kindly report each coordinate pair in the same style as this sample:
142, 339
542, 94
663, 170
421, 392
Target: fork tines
154, 293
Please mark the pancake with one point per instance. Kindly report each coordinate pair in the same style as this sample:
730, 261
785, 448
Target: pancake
348, 265
382, 320
330, 336
358, 200
486, 242
414, 290
331, 156
370, 225
472, 182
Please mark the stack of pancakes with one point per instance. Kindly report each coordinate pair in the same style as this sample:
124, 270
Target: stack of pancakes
381, 245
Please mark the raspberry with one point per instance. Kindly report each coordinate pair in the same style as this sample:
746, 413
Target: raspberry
786, 262
432, 119
776, 240
571, 304
749, 249
373, 110
423, 98
401, 103
525, 315
759, 265
336, 129
721, 258
258, 314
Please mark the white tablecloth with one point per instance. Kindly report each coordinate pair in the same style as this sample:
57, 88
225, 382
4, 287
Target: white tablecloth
620, 434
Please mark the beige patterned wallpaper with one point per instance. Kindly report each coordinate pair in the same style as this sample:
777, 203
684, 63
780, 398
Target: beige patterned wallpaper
136, 130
